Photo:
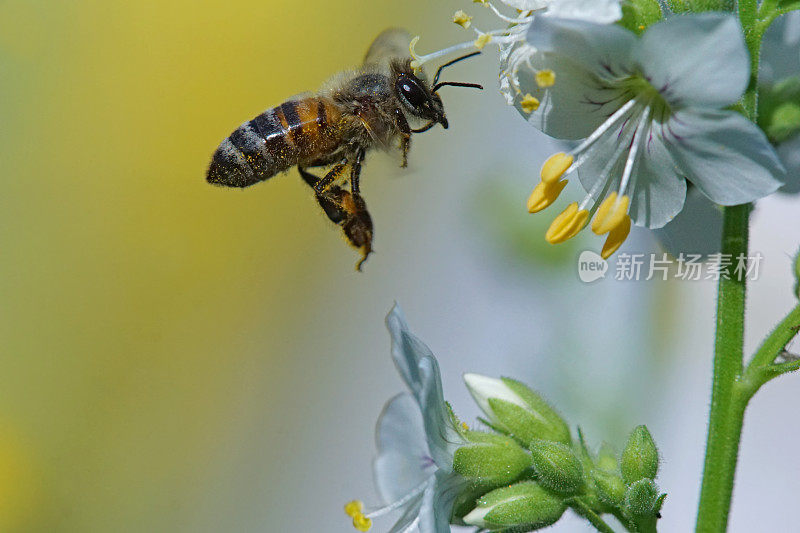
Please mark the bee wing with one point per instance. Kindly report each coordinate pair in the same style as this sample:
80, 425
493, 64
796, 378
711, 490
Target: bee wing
389, 44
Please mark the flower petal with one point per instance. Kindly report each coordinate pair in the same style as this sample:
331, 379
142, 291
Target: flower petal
575, 106
698, 59
724, 154
695, 230
604, 50
660, 188
403, 461
526, 5
598, 11
437, 504
420, 371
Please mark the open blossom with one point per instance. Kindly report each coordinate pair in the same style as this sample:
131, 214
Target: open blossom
651, 111
515, 50
417, 436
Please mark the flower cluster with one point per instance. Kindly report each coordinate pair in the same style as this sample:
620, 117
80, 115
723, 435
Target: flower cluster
523, 475
652, 98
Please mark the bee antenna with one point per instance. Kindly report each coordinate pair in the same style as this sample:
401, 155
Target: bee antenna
456, 60
455, 84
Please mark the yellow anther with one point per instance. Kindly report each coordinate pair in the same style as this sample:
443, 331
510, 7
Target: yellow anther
616, 237
464, 426
545, 78
567, 224
362, 523
529, 103
354, 508
462, 19
484, 2
545, 194
611, 213
555, 166
482, 41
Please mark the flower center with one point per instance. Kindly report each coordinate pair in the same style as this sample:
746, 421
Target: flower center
612, 152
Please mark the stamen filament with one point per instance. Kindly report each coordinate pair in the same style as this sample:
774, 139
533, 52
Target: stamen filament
637, 138
413, 493
522, 20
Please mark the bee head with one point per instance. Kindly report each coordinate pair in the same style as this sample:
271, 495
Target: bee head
418, 100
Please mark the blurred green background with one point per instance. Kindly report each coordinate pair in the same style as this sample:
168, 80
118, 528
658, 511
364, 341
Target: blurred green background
178, 357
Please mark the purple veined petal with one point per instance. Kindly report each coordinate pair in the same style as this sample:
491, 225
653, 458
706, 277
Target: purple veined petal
699, 59
660, 189
601, 49
576, 105
724, 154
403, 460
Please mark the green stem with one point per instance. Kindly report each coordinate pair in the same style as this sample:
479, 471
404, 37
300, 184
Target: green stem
727, 400
774, 344
582, 509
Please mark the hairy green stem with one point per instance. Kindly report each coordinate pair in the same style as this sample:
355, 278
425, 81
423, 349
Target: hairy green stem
728, 402
583, 510
762, 366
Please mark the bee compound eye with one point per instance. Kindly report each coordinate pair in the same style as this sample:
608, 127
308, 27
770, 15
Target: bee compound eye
411, 92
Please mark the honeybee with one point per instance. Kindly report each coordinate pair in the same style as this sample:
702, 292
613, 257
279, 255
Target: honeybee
370, 107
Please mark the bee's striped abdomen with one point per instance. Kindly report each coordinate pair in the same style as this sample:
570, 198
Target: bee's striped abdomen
298, 131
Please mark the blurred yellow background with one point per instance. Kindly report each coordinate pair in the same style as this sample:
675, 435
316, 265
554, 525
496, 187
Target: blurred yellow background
127, 281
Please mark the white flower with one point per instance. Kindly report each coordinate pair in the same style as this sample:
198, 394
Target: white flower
515, 51
416, 438
651, 111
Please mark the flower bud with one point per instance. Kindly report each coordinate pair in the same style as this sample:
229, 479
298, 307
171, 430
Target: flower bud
640, 456
637, 15
490, 459
524, 506
515, 409
640, 498
556, 466
607, 458
609, 487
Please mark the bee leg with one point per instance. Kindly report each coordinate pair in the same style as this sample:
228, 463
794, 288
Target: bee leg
355, 171
405, 135
326, 200
347, 210
332, 175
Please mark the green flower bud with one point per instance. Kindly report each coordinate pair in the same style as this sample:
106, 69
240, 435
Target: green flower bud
640, 498
643, 504
490, 459
607, 458
640, 456
525, 506
784, 122
557, 466
637, 15
609, 487
515, 409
